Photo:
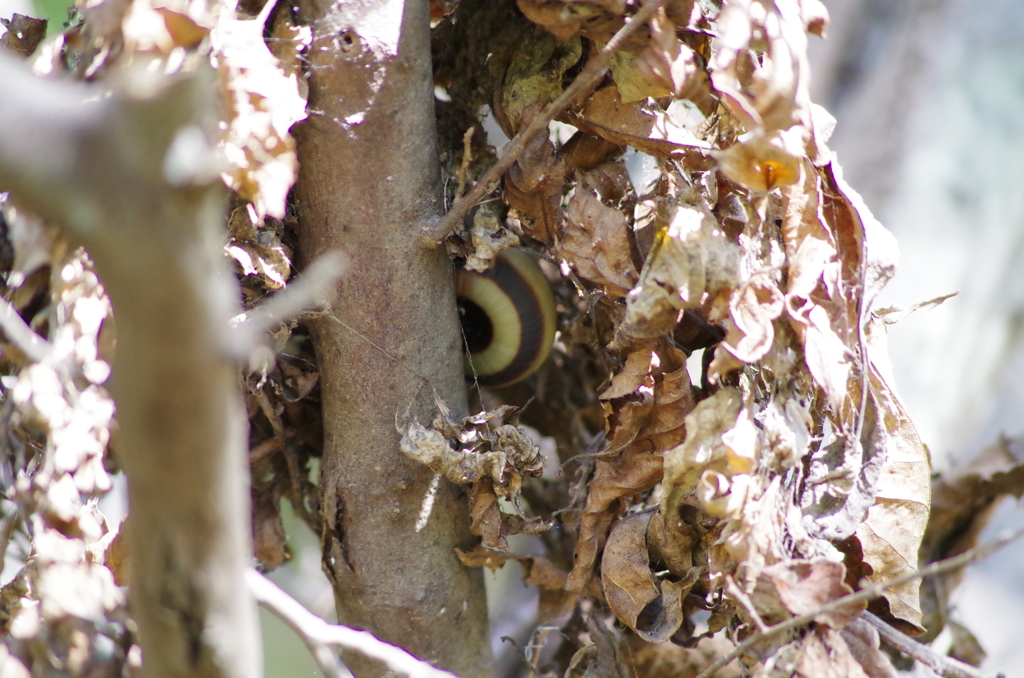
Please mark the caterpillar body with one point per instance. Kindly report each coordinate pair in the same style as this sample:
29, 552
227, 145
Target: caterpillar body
508, 318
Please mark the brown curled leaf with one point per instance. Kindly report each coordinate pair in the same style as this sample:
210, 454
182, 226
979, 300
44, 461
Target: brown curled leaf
963, 501
584, 152
650, 607
23, 34
640, 125
268, 534
628, 474
485, 516
797, 587
596, 242
667, 62
533, 188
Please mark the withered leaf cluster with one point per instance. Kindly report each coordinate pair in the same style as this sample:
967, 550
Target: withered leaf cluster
491, 455
63, 610
702, 227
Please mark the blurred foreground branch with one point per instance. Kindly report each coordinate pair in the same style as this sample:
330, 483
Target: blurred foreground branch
130, 175
319, 636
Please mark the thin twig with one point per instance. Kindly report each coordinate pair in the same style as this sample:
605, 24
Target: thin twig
319, 636
21, 335
733, 589
303, 293
867, 593
940, 664
435, 232
266, 448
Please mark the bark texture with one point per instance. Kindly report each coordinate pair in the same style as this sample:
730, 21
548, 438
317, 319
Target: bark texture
369, 178
100, 167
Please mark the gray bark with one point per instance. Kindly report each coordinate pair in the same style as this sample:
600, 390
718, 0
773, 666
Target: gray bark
369, 179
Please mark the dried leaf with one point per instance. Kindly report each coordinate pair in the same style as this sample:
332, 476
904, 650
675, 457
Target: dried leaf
761, 163
965, 645
822, 653
653, 609
23, 34
796, 587
554, 601
891, 533
642, 423
673, 545
584, 152
753, 307
485, 516
628, 474
565, 18
863, 642
263, 99
639, 125
487, 237
760, 66
963, 500
534, 78
667, 62
842, 479
533, 187
479, 449
596, 242
633, 83
268, 534
691, 257
713, 443
481, 556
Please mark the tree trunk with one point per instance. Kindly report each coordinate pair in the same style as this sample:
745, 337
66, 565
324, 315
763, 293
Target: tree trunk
369, 178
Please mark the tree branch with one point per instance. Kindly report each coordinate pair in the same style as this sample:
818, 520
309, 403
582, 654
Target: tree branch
21, 335
320, 636
944, 666
94, 162
301, 294
435, 232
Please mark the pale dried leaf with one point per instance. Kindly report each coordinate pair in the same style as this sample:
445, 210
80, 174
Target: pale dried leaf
596, 242
533, 187
633, 85
797, 587
667, 62
640, 125
690, 258
262, 100
761, 163
753, 307
764, 85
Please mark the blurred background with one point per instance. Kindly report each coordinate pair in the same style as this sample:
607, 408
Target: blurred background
929, 99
